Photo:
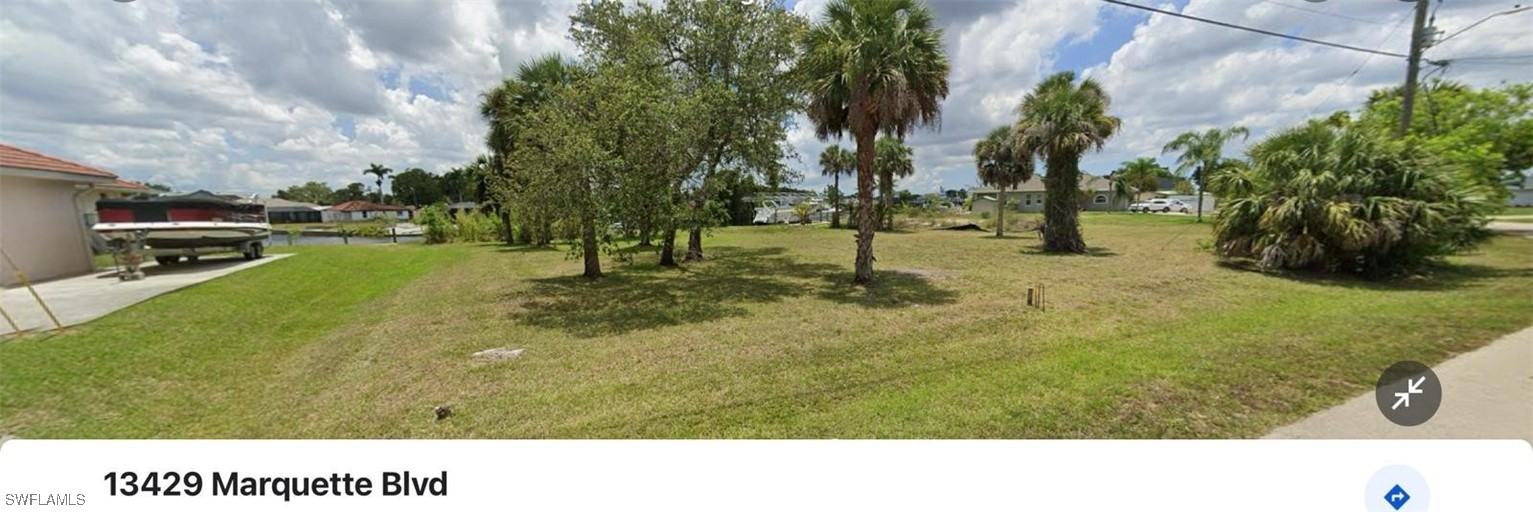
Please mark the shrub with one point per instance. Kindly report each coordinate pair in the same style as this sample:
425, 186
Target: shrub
436, 226
1334, 199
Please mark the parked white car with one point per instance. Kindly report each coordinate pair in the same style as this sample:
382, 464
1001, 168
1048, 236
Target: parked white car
1160, 205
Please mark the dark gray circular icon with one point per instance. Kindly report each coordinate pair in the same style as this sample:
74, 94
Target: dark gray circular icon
1408, 393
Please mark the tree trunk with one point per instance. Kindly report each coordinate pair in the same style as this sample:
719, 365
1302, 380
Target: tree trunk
1000, 213
592, 253
865, 208
506, 235
1061, 206
886, 201
545, 232
668, 246
524, 231
644, 235
694, 245
1201, 178
835, 212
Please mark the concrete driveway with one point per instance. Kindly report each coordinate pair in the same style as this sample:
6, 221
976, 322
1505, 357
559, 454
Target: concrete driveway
77, 300
1487, 394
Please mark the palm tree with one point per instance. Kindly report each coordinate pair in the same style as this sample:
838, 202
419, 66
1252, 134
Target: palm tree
381, 172
834, 162
872, 66
891, 158
503, 107
1122, 189
1203, 153
1001, 166
1060, 120
1344, 199
1142, 174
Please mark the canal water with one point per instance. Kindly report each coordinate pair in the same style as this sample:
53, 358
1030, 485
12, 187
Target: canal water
281, 240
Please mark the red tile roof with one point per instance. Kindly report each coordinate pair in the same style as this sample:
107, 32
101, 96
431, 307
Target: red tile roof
366, 206
129, 184
12, 156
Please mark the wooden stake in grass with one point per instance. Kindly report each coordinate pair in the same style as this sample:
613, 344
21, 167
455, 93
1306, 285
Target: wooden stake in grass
21, 276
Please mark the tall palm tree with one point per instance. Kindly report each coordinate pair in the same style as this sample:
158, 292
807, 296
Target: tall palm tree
873, 66
834, 162
1203, 153
892, 159
1142, 174
1001, 166
1060, 120
381, 172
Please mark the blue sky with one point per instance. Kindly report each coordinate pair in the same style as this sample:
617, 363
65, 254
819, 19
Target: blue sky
249, 97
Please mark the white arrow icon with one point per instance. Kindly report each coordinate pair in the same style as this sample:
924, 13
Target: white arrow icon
1399, 495
1413, 387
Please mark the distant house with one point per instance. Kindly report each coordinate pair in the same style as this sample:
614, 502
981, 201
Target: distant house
1029, 196
365, 210
1522, 192
462, 206
47, 205
282, 211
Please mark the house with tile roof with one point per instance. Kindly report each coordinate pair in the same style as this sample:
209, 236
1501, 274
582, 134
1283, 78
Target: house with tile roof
1028, 197
46, 208
366, 210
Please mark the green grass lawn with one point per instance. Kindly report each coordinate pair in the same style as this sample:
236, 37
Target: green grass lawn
1145, 337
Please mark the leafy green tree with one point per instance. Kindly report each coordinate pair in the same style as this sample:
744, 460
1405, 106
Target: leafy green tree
351, 192
1486, 133
731, 59
870, 67
380, 172
568, 161
315, 192
418, 187
1183, 186
1203, 153
1002, 166
893, 160
505, 107
1060, 121
462, 184
1344, 199
834, 162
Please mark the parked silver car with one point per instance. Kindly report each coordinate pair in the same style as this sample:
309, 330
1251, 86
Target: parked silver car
1160, 205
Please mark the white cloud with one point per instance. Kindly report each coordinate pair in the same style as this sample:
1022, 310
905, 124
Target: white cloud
248, 96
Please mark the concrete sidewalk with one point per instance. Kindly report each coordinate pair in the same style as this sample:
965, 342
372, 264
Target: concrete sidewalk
77, 300
1487, 394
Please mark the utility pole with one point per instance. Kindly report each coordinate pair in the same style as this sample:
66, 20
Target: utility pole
1413, 66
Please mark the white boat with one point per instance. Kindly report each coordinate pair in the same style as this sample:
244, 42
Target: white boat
189, 234
190, 225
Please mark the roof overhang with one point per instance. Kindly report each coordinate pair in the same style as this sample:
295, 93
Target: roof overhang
36, 174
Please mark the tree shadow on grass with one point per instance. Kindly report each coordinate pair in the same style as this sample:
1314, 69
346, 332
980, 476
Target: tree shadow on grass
1438, 277
890, 289
527, 248
1039, 250
639, 297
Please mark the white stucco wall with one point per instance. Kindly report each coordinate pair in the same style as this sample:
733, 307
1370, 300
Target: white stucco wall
40, 229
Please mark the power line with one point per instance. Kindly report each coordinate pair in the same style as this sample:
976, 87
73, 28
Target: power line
1324, 12
1354, 72
1256, 30
1492, 57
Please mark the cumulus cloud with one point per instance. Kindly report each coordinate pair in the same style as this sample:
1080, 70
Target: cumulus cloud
250, 96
